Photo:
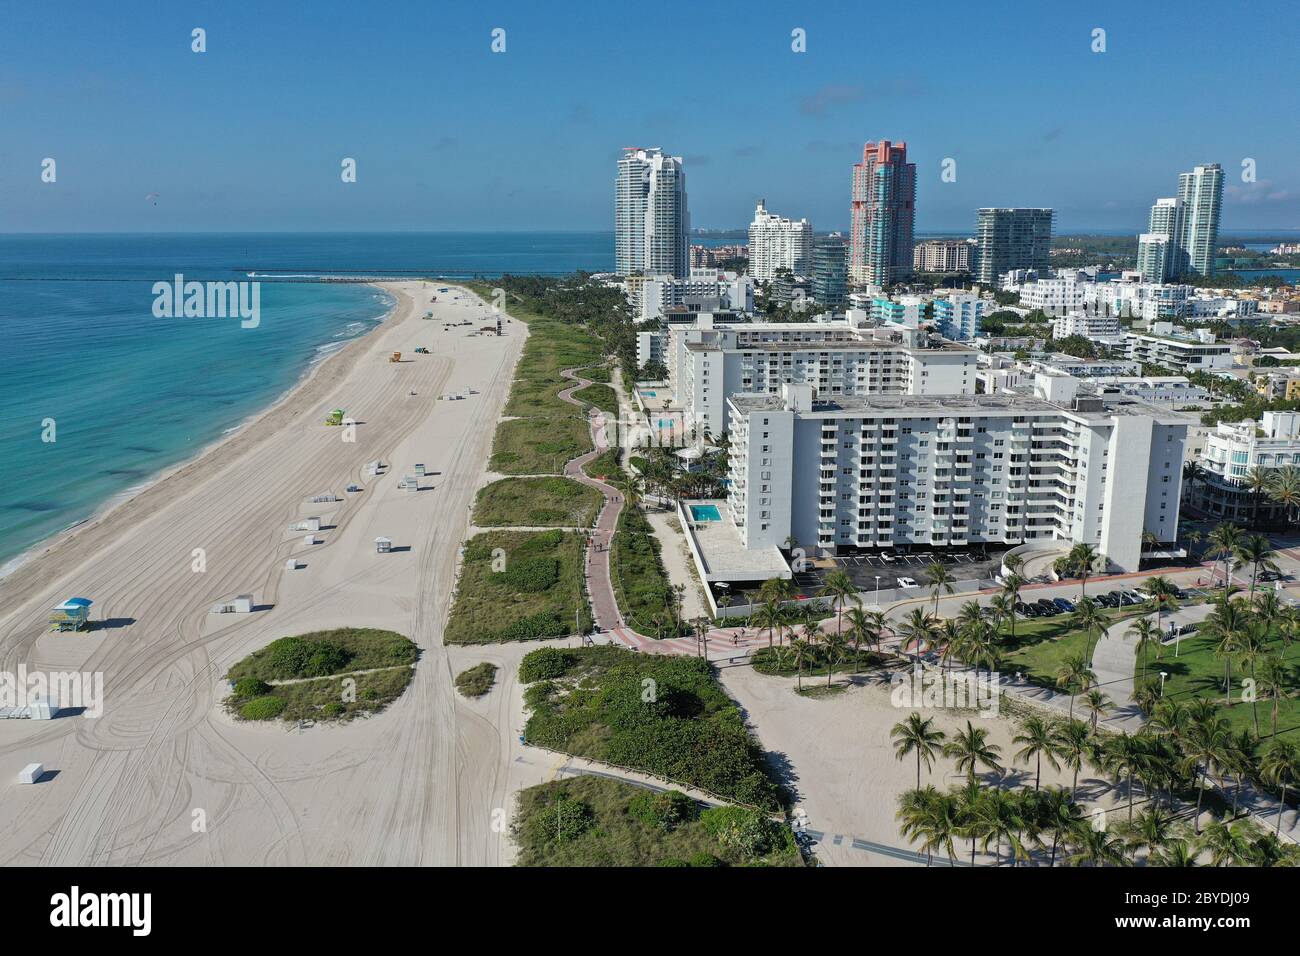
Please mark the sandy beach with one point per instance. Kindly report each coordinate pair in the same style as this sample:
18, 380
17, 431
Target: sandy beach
164, 776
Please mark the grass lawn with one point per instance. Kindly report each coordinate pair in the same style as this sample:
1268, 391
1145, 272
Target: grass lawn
324, 675
604, 466
779, 662
596, 821
666, 716
641, 584
551, 348
1042, 644
552, 502
538, 446
477, 680
1197, 672
602, 396
597, 373
519, 586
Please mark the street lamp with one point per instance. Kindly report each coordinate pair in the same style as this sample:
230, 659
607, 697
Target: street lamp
1163, 675
877, 590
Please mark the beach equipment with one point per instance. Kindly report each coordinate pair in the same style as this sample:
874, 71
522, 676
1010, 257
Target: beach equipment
383, 545
307, 524
31, 773
243, 604
309, 539
326, 498
419, 471
72, 615
291, 564
395, 357
335, 417
409, 483
354, 487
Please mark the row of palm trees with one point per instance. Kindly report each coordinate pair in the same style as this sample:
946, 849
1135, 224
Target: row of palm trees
1180, 749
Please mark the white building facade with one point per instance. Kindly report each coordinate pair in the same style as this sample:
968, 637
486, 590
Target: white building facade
779, 243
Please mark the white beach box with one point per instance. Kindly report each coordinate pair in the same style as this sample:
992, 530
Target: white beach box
383, 545
41, 709
291, 564
309, 539
244, 604
419, 470
31, 773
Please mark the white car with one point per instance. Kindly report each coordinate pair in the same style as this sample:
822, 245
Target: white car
908, 583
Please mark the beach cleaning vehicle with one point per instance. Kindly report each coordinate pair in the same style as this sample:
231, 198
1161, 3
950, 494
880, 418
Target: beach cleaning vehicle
421, 351
72, 615
335, 417
395, 357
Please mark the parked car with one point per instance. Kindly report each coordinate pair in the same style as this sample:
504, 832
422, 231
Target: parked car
1022, 608
1049, 609
1128, 598
1107, 600
908, 583
1064, 604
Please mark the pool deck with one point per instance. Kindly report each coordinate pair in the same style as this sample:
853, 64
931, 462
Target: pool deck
721, 555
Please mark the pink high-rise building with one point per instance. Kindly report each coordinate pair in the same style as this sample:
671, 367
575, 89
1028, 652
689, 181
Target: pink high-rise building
883, 214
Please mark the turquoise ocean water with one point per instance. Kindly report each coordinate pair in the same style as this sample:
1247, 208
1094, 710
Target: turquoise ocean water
131, 394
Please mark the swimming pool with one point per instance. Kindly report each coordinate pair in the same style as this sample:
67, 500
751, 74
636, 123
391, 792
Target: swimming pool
705, 513
648, 394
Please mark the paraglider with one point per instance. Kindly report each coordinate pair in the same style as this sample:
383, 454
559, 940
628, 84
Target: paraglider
152, 197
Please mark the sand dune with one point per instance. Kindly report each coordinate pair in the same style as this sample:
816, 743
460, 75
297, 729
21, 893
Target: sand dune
415, 785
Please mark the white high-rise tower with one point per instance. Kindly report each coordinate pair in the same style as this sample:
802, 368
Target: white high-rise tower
1201, 191
778, 243
651, 221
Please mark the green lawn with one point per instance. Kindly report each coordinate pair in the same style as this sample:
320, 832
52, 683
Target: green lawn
1042, 644
664, 715
604, 466
597, 373
519, 586
1197, 672
536, 502
552, 347
602, 396
538, 446
324, 675
596, 821
641, 584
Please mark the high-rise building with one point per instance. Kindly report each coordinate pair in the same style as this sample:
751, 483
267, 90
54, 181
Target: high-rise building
1008, 239
778, 243
883, 214
1201, 192
651, 221
1160, 256
830, 270
942, 255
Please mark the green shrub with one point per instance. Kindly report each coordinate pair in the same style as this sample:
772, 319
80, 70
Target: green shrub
663, 811
249, 687
672, 861
262, 708
705, 859
477, 680
333, 709
741, 829
295, 657
545, 663
531, 575
562, 821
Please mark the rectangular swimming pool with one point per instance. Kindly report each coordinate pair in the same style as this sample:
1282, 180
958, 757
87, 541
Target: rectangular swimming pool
705, 513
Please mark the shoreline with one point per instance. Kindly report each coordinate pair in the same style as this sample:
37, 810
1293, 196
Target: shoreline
206, 455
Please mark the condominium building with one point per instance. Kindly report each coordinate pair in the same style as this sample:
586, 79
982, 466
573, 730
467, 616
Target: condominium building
883, 214
711, 362
1009, 239
778, 243
1201, 192
830, 270
883, 471
1231, 451
705, 290
1160, 346
1155, 253
1160, 257
1055, 296
1101, 328
651, 221
960, 314
942, 255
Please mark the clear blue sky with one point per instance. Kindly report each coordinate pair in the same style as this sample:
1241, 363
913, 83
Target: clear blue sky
447, 135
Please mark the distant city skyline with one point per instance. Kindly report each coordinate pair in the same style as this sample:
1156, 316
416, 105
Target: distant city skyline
250, 135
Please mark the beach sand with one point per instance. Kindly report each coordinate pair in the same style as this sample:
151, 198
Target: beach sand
165, 776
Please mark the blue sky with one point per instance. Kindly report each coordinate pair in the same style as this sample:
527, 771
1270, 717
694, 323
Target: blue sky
448, 135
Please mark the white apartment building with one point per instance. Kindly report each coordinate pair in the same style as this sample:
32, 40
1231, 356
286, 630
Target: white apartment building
1055, 296
651, 220
704, 290
1195, 352
779, 243
883, 471
1173, 390
1209, 305
1231, 450
960, 314
710, 363
1102, 328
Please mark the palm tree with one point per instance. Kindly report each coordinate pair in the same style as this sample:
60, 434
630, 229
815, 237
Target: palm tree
1225, 625
864, 626
800, 649
1037, 742
1268, 607
1071, 743
930, 817
1256, 551
1093, 847
1058, 816
1285, 491
1004, 607
1176, 853
917, 628
917, 736
1203, 746
1123, 755
1081, 560
1087, 616
1223, 843
1011, 585
1151, 831
1000, 813
1280, 767
834, 647
940, 579
971, 749
1148, 635
1162, 594
1274, 683
1096, 703
1253, 646
1076, 676
840, 589
1224, 540
1258, 481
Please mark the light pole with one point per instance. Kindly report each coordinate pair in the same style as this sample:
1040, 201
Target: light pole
1163, 675
877, 590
